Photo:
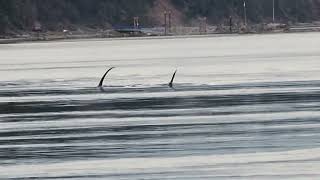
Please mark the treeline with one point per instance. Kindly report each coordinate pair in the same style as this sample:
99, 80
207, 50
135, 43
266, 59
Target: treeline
55, 14
21, 14
257, 10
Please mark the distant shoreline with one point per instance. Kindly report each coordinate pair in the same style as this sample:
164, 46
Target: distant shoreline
59, 37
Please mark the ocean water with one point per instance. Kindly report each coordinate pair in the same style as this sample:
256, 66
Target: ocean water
242, 107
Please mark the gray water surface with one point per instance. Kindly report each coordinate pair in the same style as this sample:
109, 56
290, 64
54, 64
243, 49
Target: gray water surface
242, 107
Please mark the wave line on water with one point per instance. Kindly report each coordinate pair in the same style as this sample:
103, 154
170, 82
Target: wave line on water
252, 164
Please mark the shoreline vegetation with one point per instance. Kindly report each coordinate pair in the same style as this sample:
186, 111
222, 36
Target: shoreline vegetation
159, 32
46, 20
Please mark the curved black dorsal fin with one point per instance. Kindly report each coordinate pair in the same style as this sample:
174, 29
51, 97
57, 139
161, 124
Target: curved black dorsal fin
103, 77
172, 79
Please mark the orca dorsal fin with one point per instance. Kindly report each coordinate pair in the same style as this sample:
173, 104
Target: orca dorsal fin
104, 76
172, 79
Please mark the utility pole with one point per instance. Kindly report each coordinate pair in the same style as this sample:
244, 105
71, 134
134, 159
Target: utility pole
169, 16
245, 12
273, 11
297, 19
230, 24
165, 23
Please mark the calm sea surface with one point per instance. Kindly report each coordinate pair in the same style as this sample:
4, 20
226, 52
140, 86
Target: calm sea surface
242, 107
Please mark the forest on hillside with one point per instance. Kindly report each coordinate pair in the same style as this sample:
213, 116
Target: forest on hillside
257, 10
21, 14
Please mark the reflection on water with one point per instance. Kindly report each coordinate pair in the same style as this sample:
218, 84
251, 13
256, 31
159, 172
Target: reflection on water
232, 117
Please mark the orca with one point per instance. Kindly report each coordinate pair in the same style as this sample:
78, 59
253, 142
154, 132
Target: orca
172, 79
103, 77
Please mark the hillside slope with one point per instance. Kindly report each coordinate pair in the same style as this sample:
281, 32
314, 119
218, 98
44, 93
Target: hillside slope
20, 15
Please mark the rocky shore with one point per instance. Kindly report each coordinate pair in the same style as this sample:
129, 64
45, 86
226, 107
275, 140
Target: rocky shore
158, 31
